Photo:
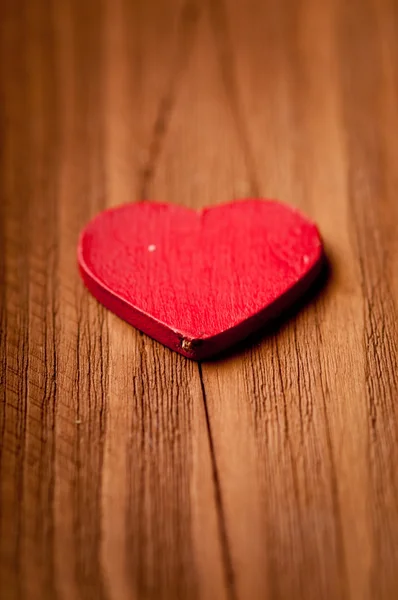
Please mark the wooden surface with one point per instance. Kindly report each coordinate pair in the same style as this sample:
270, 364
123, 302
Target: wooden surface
128, 471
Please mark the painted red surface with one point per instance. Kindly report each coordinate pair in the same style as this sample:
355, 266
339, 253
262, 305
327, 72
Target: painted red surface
199, 281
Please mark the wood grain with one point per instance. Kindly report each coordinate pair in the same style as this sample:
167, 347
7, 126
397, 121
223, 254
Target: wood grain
126, 470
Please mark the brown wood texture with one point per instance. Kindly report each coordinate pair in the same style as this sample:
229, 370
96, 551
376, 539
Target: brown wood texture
127, 471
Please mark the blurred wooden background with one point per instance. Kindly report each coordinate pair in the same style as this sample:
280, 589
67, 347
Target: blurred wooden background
128, 472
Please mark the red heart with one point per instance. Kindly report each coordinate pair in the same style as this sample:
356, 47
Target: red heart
199, 281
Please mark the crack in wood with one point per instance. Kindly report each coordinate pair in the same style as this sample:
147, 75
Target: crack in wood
188, 20
225, 547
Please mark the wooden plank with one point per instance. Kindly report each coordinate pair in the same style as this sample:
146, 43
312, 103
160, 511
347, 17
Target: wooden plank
107, 478
316, 447
125, 470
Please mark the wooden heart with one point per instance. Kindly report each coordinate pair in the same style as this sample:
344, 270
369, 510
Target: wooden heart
199, 281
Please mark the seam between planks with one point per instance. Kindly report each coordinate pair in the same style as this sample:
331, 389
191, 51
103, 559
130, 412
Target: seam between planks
225, 549
226, 59
189, 17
